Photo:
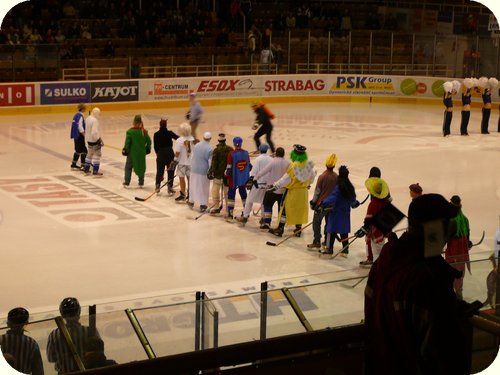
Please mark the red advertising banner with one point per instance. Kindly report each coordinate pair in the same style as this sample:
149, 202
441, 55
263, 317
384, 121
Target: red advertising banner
17, 95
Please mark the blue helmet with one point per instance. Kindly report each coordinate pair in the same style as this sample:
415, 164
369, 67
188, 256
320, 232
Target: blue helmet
237, 141
263, 148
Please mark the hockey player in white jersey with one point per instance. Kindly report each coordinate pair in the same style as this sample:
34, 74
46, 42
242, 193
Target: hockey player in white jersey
257, 189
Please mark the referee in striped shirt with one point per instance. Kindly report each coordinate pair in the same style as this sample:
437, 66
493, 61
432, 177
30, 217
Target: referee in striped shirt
24, 350
57, 349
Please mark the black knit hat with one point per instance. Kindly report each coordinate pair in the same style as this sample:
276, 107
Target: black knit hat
429, 207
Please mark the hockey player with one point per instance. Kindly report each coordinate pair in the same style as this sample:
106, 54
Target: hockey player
162, 140
341, 200
137, 146
263, 119
78, 136
297, 180
466, 101
182, 160
271, 174
458, 246
194, 114
375, 239
257, 188
325, 185
199, 184
94, 141
216, 174
237, 174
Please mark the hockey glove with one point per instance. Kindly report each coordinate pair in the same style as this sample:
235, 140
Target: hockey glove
255, 125
249, 183
228, 172
355, 204
256, 184
124, 152
101, 143
188, 115
148, 150
469, 244
361, 232
210, 175
313, 205
319, 210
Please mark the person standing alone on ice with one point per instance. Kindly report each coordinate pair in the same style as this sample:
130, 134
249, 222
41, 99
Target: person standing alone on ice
137, 146
194, 114
78, 136
263, 125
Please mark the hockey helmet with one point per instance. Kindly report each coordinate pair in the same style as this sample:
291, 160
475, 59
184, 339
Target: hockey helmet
17, 316
69, 307
237, 141
96, 112
263, 148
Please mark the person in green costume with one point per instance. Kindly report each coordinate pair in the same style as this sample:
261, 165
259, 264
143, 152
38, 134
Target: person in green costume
137, 146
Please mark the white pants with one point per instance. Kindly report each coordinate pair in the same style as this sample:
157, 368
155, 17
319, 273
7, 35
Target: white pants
377, 248
199, 189
254, 196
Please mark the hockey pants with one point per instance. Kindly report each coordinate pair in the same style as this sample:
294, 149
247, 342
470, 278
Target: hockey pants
93, 157
267, 130
163, 159
231, 195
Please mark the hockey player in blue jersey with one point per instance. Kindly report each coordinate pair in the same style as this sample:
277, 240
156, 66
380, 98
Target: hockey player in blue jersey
237, 174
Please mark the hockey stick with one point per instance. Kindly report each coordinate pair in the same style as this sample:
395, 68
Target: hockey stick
288, 237
204, 212
359, 282
364, 200
113, 147
255, 213
479, 242
154, 192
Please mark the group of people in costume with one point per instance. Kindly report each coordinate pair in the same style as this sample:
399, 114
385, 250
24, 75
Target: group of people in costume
482, 85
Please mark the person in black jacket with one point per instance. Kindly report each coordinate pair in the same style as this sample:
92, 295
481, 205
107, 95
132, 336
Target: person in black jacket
22, 351
263, 119
162, 141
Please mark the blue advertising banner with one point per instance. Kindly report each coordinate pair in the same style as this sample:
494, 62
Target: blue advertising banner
64, 93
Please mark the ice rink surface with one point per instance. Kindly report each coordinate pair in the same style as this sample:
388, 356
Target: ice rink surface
66, 234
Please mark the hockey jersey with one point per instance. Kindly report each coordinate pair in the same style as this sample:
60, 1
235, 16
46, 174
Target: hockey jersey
75, 125
239, 162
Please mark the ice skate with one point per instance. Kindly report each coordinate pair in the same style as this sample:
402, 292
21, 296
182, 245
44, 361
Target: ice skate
242, 220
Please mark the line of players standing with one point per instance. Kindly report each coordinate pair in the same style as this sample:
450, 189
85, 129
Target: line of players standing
482, 85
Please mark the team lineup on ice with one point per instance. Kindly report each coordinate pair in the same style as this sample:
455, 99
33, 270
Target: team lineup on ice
117, 226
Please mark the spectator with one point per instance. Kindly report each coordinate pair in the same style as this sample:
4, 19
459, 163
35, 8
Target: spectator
251, 46
109, 49
415, 190
57, 349
135, 69
222, 39
414, 322
24, 351
77, 51
137, 146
